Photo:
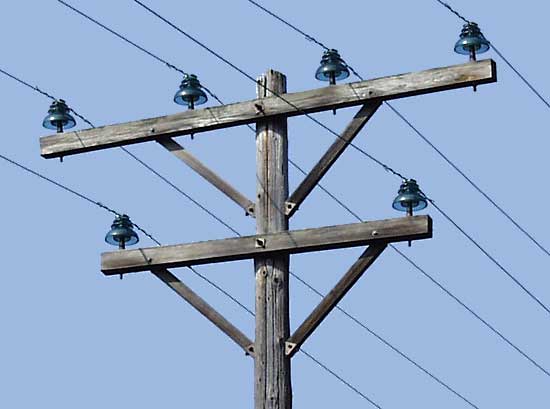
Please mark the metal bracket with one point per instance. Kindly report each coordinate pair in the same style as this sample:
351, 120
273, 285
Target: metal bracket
251, 210
290, 348
260, 243
250, 351
289, 208
259, 107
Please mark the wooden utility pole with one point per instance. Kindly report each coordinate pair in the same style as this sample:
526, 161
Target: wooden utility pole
273, 243
272, 387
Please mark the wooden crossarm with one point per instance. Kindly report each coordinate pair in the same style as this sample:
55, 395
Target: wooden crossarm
205, 309
322, 99
290, 242
331, 156
331, 300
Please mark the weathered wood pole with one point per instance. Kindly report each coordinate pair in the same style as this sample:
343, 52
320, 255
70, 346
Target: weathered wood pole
272, 385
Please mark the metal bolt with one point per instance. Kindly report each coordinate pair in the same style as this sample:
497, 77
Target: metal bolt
260, 243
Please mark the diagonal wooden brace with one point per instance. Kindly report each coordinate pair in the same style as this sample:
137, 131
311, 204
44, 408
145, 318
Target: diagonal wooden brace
331, 300
205, 309
331, 156
181, 153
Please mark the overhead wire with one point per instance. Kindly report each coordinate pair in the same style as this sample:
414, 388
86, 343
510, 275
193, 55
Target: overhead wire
129, 153
204, 278
506, 61
244, 73
472, 183
300, 169
174, 67
54, 182
74, 192
150, 236
355, 215
446, 291
444, 156
476, 243
307, 354
292, 163
26, 84
132, 43
392, 347
277, 95
456, 13
471, 311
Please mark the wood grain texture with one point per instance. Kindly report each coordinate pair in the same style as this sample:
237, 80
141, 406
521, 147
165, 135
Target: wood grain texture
219, 183
331, 300
331, 156
205, 309
291, 242
272, 380
328, 98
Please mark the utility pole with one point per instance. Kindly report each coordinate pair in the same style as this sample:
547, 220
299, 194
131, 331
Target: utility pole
272, 386
273, 244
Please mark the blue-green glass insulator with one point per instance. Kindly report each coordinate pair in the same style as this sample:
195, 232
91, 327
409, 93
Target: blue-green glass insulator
58, 117
471, 40
190, 92
122, 232
410, 197
332, 68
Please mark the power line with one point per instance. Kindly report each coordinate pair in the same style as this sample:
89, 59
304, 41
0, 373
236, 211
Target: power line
446, 291
244, 73
470, 310
201, 44
102, 206
26, 84
506, 61
338, 201
339, 378
210, 282
393, 348
135, 157
417, 131
307, 354
531, 87
172, 66
407, 259
456, 13
332, 196
133, 44
182, 192
227, 294
72, 191
475, 243
311, 357
251, 78
292, 26
470, 181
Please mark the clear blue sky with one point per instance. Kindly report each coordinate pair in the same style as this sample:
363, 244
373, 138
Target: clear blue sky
72, 338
